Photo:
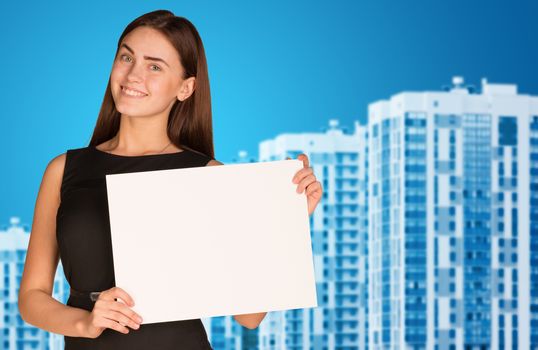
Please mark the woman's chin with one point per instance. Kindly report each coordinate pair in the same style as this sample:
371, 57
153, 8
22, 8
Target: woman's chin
128, 109
130, 112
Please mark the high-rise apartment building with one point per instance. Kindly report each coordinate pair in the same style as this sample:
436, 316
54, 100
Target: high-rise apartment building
339, 236
453, 213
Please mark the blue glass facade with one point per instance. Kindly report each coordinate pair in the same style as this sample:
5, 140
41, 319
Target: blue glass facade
476, 230
415, 230
386, 265
533, 231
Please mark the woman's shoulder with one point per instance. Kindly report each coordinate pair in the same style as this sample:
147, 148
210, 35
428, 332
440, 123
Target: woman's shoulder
57, 165
52, 177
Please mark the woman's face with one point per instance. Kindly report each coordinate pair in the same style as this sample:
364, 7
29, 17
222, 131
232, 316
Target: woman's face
147, 75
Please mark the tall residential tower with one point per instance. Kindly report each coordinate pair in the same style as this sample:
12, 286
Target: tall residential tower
339, 236
453, 211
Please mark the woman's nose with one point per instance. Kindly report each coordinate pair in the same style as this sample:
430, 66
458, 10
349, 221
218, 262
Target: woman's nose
135, 74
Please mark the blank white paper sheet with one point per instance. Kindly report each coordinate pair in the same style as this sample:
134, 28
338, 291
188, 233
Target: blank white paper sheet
211, 241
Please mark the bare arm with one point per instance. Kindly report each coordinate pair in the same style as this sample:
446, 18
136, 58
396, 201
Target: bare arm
250, 321
36, 304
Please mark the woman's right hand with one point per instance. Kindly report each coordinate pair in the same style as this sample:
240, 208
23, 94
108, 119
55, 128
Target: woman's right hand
109, 313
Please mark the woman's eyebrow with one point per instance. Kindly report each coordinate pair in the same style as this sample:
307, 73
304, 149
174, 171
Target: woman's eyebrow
145, 57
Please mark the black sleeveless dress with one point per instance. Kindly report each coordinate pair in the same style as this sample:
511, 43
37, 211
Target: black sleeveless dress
85, 247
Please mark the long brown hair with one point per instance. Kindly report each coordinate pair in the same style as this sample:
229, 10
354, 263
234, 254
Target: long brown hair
189, 121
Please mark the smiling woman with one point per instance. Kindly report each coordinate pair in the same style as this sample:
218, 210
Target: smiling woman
155, 115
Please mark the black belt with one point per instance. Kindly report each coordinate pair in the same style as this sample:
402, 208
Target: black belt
90, 295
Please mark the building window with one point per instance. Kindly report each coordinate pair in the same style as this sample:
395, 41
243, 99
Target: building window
507, 131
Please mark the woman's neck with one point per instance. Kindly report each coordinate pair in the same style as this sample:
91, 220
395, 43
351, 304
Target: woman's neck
139, 136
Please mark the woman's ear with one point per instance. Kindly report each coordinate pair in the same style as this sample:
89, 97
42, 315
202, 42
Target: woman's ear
186, 89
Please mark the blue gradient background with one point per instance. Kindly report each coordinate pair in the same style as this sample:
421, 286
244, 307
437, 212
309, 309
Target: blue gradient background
274, 67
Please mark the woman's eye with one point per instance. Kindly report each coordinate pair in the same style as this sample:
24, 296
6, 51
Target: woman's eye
155, 68
126, 58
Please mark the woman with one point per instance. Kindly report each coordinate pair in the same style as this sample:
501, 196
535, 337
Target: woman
156, 115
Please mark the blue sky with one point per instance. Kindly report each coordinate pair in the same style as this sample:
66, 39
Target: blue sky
274, 67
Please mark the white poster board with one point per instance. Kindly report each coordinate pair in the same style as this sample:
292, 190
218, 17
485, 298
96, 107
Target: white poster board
211, 241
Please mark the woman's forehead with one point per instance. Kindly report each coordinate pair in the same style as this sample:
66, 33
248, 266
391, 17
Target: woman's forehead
145, 41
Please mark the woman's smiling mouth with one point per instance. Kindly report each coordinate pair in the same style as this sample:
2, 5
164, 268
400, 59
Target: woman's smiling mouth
131, 92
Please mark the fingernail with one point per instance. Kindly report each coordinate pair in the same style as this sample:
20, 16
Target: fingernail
139, 319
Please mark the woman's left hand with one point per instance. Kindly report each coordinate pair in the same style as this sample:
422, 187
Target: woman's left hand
305, 179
